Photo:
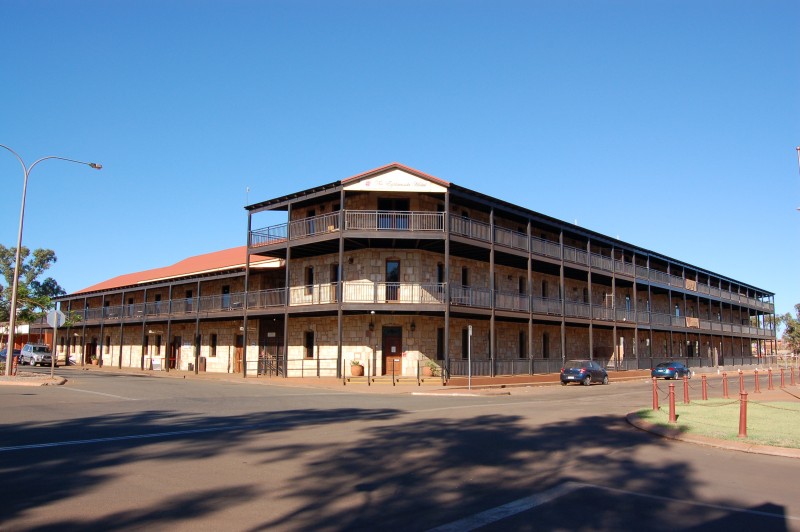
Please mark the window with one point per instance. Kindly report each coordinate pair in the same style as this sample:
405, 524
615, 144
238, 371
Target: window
586, 295
309, 344
158, 345
464, 343
522, 287
440, 273
523, 346
440, 343
544, 289
108, 344
464, 276
188, 301
212, 351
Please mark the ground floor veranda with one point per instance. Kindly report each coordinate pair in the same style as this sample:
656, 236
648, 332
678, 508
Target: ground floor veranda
390, 344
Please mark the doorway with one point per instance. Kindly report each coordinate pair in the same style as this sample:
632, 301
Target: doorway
393, 213
238, 353
392, 351
174, 351
392, 279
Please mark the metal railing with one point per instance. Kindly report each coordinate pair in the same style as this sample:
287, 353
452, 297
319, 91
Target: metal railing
471, 297
394, 221
460, 225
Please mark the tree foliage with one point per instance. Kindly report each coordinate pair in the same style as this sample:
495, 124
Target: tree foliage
791, 329
34, 296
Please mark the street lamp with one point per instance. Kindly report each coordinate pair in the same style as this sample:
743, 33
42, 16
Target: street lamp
12, 315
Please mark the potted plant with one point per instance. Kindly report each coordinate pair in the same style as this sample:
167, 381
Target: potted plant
356, 369
94, 360
430, 369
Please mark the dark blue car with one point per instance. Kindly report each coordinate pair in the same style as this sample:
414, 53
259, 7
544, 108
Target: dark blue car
4, 351
670, 370
584, 372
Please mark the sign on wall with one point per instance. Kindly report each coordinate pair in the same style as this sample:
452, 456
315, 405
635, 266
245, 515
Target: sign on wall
395, 181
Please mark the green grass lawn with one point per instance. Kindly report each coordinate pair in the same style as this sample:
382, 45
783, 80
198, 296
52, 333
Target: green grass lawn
768, 423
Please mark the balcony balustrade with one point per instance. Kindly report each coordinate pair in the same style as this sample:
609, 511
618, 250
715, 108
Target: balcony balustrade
368, 292
423, 221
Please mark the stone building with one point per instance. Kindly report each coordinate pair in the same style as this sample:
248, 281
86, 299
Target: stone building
399, 270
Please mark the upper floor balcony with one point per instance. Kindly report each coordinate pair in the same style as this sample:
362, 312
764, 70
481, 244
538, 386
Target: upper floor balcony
421, 223
428, 295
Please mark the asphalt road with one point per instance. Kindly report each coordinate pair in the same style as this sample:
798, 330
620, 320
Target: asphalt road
125, 452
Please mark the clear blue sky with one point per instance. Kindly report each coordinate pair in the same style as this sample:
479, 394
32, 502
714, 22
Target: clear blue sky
670, 124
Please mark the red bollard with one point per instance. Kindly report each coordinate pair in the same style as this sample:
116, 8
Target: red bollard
685, 390
743, 415
758, 385
655, 394
705, 388
769, 379
741, 381
672, 417
725, 385
783, 379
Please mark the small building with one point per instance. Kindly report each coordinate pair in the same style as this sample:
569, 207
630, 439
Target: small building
397, 269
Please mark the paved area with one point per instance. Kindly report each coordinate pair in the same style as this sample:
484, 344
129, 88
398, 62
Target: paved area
111, 450
488, 386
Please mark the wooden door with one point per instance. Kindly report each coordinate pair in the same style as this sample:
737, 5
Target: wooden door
392, 351
238, 354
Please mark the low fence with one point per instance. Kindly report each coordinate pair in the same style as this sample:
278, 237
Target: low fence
484, 367
733, 386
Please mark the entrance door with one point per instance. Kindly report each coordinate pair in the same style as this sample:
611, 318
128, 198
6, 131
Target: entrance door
91, 351
174, 350
238, 353
392, 351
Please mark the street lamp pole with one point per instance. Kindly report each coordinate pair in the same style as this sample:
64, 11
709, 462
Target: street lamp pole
798, 163
12, 312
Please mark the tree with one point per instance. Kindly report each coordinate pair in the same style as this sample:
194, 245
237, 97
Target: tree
34, 297
791, 331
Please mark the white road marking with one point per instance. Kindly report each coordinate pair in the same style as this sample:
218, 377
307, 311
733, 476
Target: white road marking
507, 510
499, 513
99, 393
111, 439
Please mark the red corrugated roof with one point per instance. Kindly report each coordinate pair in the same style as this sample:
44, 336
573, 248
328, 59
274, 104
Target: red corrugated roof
209, 262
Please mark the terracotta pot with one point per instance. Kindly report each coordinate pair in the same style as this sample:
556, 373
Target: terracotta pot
94, 362
357, 371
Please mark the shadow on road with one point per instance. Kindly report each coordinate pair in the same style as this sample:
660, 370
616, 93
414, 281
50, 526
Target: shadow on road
401, 474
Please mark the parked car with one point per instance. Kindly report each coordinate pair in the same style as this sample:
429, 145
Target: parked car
584, 372
670, 370
3, 354
35, 355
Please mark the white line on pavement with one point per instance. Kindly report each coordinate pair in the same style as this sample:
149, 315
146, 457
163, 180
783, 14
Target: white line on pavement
498, 513
100, 393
